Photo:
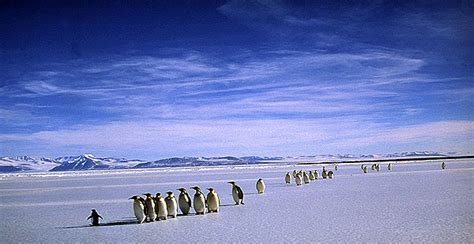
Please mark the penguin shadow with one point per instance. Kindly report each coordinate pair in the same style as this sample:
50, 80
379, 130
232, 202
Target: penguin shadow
113, 223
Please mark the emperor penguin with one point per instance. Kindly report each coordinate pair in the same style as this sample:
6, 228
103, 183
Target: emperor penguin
294, 173
443, 165
305, 177
288, 178
237, 193
171, 204
377, 167
330, 174
161, 207
150, 206
260, 186
362, 166
389, 167
139, 208
316, 174
365, 169
184, 201
213, 201
199, 200
373, 167
311, 175
298, 180
335, 167
95, 217
324, 174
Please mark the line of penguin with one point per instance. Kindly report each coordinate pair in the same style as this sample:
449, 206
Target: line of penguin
150, 209
303, 177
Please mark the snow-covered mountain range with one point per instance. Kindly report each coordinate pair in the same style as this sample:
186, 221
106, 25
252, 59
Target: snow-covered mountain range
90, 162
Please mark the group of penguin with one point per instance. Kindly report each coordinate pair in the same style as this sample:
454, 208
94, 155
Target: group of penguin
374, 167
157, 208
303, 177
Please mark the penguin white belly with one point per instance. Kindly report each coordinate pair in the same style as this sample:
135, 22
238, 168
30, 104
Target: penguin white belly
199, 204
172, 207
162, 209
139, 211
184, 204
298, 180
260, 187
287, 178
213, 203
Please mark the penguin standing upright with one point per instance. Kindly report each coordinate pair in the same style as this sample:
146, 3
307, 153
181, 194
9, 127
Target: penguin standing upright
95, 218
213, 201
389, 167
139, 208
161, 207
171, 204
324, 174
316, 174
150, 206
237, 193
199, 200
311, 175
298, 179
335, 167
294, 173
260, 186
330, 174
443, 165
365, 169
305, 178
184, 201
288, 178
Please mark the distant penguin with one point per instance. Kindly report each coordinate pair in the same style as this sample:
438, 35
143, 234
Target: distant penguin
365, 169
373, 167
171, 204
288, 178
305, 178
330, 174
298, 179
213, 201
161, 208
237, 193
95, 217
139, 208
150, 206
184, 201
311, 175
316, 174
324, 174
294, 173
199, 200
389, 167
377, 167
260, 186
443, 165
335, 167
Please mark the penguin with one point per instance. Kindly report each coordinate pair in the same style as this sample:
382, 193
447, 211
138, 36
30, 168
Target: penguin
305, 178
95, 218
294, 173
330, 174
316, 174
443, 165
199, 201
184, 201
260, 186
237, 193
161, 208
139, 208
373, 167
213, 201
377, 167
365, 169
324, 174
389, 167
335, 167
298, 180
150, 206
288, 178
171, 204
311, 175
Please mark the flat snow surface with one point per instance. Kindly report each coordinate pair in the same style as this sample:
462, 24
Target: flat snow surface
415, 202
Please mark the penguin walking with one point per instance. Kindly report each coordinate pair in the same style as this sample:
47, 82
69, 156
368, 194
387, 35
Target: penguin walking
184, 201
365, 169
213, 201
389, 167
373, 167
294, 173
305, 178
95, 218
150, 206
377, 167
311, 175
298, 179
237, 193
161, 208
199, 200
324, 174
330, 174
171, 204
260, 186
316, 174
288, 178
443, 165
139, 208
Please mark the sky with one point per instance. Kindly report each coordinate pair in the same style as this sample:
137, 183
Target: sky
155, 79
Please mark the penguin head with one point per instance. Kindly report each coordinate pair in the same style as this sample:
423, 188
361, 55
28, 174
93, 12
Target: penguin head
158, 194
170, 193
93, 210
196, 188
135, 197
259, 179
182, 189
231, 182
210, 189
147, 194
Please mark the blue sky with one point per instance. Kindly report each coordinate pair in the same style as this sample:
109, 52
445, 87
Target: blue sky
151, 79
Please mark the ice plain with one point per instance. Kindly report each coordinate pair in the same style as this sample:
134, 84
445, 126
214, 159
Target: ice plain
415, 202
